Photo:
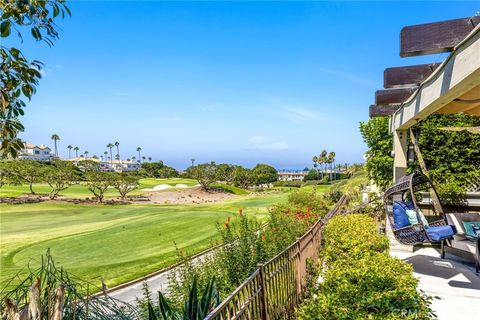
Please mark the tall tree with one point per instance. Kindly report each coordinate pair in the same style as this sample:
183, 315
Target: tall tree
86, 154
29, 171
379, 162
76, 151
60, 176
322, 160
149, 159
98, 183
19, 77
105, 155
124, 183
110, 146
139, 154
193, 162
69, 147
315, 162
117, 144
55, 137
134, 158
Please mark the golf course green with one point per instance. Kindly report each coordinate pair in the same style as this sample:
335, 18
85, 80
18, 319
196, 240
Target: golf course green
114, 242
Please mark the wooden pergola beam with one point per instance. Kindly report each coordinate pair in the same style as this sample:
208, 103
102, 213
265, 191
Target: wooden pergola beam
408, 76
393, 96
458, 75
382, 111
435, 37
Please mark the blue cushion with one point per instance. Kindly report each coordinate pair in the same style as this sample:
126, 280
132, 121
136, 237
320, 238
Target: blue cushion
440, 233
400, 218
412, 217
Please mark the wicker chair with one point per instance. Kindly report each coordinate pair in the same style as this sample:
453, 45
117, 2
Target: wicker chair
408, 186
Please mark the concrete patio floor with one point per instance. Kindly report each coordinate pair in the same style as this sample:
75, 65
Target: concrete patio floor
452, 280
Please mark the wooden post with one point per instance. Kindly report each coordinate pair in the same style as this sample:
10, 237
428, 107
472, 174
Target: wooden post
423, 166
400, 154
262, 293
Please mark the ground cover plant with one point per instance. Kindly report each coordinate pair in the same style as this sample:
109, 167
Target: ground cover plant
359, 278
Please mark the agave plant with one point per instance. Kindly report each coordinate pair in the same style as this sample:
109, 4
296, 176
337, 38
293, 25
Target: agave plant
194, 309
50, 293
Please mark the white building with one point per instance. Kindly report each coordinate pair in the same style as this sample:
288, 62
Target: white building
291, 175
36, 152
110, 166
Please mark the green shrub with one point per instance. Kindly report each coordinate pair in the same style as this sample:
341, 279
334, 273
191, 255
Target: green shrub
229, 188
292, 184
352, 237
452, 193
360, 279
315, 182
373, 287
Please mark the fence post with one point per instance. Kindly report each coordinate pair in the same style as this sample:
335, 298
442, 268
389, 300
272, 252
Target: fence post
263, 292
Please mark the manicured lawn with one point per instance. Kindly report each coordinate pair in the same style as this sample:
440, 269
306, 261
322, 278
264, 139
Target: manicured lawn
119, 243
80, 191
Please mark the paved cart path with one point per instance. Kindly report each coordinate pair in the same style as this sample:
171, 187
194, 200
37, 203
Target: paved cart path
158, 281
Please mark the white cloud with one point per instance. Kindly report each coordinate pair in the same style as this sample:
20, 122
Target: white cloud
350, 77
266, 143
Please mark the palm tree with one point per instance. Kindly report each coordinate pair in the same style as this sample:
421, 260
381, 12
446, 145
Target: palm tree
76, 151
118, 150
55, 137
105, 153
144, 158
139, 155
193, 161
110, 146
332, 163
149, 159
69, 147
330, 159
94, 157
86, 154
323, 161
315, 162
134, 158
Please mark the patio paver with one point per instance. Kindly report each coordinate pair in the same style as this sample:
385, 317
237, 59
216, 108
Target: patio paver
452, 280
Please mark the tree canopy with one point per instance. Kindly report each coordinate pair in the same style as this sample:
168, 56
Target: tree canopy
19, 76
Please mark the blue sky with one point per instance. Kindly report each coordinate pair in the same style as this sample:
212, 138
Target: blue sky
239, 82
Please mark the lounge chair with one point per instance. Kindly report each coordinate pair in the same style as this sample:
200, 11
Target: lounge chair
464, 245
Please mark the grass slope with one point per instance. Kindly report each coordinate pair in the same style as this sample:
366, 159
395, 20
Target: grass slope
119, 243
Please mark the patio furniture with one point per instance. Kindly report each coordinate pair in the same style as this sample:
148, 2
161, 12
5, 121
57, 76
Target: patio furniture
401, 201
464, 245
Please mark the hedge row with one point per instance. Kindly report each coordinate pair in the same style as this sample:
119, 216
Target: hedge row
360, 279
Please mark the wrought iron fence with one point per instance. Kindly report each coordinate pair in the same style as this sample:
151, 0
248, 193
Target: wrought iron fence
275, 288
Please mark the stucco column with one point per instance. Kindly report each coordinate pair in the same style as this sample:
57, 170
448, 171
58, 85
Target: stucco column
400, 149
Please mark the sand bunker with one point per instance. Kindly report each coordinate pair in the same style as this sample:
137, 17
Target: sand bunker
161, 187
186, 195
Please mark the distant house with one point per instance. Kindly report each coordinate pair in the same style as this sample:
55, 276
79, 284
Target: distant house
109, 166
36, 152
291, 175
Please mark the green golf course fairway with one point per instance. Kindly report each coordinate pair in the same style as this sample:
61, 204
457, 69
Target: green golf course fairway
117, 242
81, 191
